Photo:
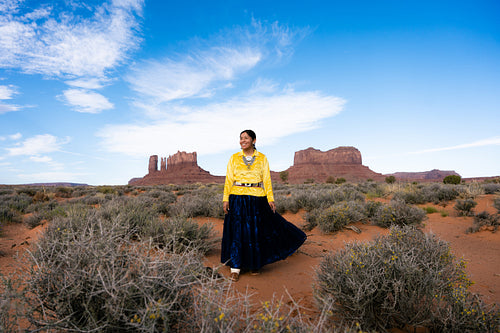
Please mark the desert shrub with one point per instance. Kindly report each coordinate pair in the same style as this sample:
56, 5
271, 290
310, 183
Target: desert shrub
452, 179
203, 202
371, 189
63, 192
8, 215
27, 190
18, 202
371, 208
330, 180
347, 192
340, 180
496, 204
404, 278
399, 213
284, 176
335, 217
10, 303
465, 207
86, 274
439, 193
6, 190
390, 179
484, 219
491, 188
33, 220
162, 199
90, 200
40, 196
181, 234
415, 196
471, 190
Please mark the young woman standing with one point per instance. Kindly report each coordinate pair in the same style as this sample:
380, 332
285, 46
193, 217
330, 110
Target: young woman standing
254, 234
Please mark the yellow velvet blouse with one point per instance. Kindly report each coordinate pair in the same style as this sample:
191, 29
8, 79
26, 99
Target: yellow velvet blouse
238, 171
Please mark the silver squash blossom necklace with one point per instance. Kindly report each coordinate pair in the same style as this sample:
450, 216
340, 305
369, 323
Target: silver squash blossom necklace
248, 161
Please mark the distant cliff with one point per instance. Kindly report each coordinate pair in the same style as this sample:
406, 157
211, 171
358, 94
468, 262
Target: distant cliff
315, 165
433, 175
180, 168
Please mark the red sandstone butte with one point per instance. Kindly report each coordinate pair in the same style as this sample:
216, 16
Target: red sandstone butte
315, 165
180, 168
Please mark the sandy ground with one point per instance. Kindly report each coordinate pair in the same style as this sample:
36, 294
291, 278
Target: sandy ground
295, 275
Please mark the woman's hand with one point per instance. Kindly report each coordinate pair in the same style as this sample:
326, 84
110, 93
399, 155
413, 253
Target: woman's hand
273, 206
225, 206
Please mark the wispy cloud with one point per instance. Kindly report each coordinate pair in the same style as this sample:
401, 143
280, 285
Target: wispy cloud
6, 93
192, 76
86, 101
208, 129
212, 65
47, 160
59, 43
495, 141
37, 145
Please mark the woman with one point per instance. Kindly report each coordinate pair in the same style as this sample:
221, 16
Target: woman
254, 234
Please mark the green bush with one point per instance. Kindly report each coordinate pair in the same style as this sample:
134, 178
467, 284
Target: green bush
465, 207
430, 210
390, 179
340, 180
452, 179
407, 278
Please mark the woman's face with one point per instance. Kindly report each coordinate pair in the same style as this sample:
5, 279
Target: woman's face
246, 141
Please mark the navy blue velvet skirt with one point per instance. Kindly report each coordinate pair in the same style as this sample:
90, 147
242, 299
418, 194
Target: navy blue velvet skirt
254, 236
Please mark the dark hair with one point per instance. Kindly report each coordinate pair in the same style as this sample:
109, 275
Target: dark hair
250, 134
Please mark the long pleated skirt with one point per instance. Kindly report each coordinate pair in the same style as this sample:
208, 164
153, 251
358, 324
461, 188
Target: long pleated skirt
254, 236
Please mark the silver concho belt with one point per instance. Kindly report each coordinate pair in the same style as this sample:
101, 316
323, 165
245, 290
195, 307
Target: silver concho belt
248, 184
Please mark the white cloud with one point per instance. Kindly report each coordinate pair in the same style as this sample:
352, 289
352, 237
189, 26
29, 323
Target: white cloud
48, 160
88, 83
60, 43
7, 92
37, 145
215, 127
41, 159
87, 101
16, 136
4, 108
495, 141
192, 76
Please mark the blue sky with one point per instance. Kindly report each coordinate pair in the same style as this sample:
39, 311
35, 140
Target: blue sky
90, 89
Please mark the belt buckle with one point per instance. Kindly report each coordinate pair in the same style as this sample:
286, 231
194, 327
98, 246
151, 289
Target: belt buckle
248, 185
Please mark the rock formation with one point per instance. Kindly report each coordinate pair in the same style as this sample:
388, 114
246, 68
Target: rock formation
309, 165
433, 175
313, 165
180, 168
